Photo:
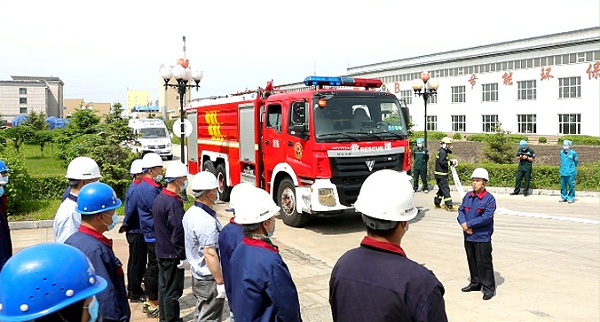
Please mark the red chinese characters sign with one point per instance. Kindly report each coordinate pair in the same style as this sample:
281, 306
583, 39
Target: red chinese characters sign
592, 70
472, 80
507, 78
546, 73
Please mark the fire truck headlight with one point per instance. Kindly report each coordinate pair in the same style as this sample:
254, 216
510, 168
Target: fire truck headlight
326, 197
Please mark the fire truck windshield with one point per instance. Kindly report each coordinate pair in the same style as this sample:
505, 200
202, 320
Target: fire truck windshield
357, 118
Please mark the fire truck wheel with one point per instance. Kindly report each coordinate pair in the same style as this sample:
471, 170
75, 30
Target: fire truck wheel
286, 199
209, 166
224, 189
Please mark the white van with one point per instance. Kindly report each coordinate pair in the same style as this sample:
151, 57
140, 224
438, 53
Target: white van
153, 136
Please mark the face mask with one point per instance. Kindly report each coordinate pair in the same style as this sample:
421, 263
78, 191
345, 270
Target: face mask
565, 147
3, 180
419, 145
158, 178
185, 185
270, 234
93, 310
115, 219
217, 198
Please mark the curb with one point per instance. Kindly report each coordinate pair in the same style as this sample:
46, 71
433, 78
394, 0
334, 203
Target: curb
38, 224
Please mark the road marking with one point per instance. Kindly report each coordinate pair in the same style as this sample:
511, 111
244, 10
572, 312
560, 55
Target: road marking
507, 211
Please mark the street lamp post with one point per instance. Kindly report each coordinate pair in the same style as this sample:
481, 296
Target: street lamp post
425, 88
182, 74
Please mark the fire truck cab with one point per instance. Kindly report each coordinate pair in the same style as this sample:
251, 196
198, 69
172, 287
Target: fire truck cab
311, 148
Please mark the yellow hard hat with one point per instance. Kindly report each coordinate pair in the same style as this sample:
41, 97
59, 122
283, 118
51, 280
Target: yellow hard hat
446, 140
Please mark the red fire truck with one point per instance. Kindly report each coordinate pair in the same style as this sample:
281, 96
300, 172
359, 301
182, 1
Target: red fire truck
311, 148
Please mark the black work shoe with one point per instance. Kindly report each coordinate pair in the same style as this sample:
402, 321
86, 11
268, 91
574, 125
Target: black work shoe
562, 200
488, 296
437, 206
471, 288
514, 193
450, 208
525, 194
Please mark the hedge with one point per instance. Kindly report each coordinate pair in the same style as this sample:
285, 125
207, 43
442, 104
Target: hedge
515, 138
52, 187
580, 139
543, 176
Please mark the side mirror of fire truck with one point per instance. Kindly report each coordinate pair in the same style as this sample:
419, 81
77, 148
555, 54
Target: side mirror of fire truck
299, 113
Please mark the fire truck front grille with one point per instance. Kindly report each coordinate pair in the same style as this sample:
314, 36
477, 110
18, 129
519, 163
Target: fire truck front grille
348, 174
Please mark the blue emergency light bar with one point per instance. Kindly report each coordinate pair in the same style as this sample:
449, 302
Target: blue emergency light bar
342, 81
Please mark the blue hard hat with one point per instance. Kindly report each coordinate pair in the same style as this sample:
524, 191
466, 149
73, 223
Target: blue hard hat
523, 143
45, 278
3, 167
96, 197
420, 140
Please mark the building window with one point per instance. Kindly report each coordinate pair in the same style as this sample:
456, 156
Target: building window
459, 123
489, 123
406, 96
23, 110
432, 99
22, 100
526, 123
569, 123
458, 94
527, 90
489, 92
569, 87
431, 122
23, 91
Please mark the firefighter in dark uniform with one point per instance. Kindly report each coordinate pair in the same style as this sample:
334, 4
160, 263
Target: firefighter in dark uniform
420, 157
391, 287
443, 162
526, 156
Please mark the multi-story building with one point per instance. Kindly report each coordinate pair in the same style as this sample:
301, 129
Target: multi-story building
25, 94
137, 98
71, 104
544, 86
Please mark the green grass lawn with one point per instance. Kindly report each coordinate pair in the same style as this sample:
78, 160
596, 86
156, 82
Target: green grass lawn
36, 163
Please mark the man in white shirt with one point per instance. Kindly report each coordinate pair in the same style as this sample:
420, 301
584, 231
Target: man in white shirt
202, 229
81, 171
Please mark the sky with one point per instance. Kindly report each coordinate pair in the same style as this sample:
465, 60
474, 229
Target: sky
101, 49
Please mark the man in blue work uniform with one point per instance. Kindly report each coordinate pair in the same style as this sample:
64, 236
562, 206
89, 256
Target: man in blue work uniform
136, 264
5, 240
420, 158
230, 236
170, 242
526, 156
442, 171
569, 160
144, 196
376, 281
476, 217
97, 204
263, 289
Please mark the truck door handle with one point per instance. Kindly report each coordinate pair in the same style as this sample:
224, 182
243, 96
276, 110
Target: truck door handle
290, 143
267, 142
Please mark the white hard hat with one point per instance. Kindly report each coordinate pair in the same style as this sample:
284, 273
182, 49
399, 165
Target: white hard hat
239, 191
254, 206
388, 195
136, 166
151, 160
176, 169
204, 180
83, 168
480, 173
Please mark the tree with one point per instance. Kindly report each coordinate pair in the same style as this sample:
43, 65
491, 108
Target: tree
41, 137
37, 121
83, 121
499, 148
19, 135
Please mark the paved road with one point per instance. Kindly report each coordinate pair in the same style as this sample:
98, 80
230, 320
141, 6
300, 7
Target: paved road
545, 259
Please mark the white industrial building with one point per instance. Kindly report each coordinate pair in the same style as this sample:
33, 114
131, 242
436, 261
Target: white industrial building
542, 86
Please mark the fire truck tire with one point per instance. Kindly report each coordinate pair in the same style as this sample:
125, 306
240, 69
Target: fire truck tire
286, 199
224, 189
209, 166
